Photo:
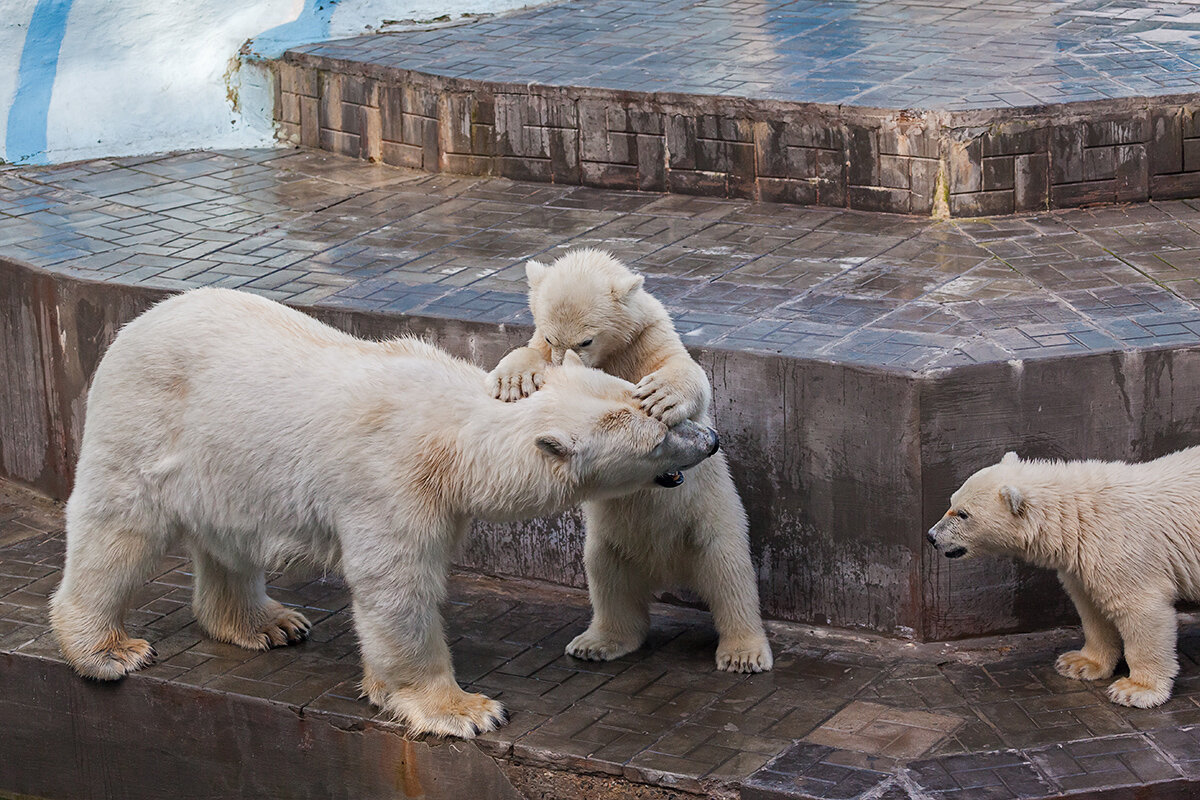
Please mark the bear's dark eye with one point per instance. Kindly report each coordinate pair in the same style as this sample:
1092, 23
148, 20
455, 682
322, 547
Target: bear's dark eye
547, 338
963, 515
585, 342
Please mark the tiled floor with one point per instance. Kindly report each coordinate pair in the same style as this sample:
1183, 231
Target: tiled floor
839, 716
904, 292
949, 54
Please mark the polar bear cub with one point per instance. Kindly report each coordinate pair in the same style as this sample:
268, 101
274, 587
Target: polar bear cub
696, 535
1124, 538
258, 436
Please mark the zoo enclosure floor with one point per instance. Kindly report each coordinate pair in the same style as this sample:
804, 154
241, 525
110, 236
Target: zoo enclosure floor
841, 715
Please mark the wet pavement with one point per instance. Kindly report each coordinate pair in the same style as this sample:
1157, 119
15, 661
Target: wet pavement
841, 715
901, 292
948, 55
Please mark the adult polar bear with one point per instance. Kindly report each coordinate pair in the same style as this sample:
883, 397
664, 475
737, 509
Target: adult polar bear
1124, 538
589, 304
259, 436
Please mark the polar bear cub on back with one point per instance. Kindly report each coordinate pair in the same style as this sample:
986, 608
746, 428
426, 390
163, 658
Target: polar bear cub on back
695, 534
1124, 538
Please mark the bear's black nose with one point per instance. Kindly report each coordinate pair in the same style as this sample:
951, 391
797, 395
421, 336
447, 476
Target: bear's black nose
716, 443
932, 539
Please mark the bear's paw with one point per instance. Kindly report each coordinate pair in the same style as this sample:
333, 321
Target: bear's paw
441, 711
1076, 665
518, 375
662, 400
286, 627
747, 655
115, 658
1139, 693
600, 646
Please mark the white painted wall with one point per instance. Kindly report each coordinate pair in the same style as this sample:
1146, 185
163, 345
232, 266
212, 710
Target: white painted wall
13, 24
134, 77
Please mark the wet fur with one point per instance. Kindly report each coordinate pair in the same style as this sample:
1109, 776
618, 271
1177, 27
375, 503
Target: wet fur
695, 535
1124, 539
258, 436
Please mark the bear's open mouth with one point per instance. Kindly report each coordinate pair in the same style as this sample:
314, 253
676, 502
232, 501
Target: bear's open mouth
669, 479
955, 552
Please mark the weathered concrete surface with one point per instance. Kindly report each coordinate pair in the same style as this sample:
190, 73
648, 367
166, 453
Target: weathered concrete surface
842, 715
842, 467
69, 739
52, 334
832, 514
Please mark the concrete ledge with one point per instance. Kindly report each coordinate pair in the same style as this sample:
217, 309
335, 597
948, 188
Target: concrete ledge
143, 738
336, 97
842, 466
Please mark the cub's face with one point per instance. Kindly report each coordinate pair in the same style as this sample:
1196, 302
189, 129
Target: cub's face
595, 431
988, 514
582, 304
584, 331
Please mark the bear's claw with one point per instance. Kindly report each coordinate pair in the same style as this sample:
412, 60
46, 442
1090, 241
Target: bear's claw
288, 627
745, 657
1128, 692
446, 712
116, 659
1074, 664
591, 646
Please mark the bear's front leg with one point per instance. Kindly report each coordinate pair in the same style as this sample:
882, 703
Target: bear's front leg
1150, 632
397, 586
1101, 640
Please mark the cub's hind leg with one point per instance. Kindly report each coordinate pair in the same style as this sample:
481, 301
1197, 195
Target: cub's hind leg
232, 606
722, 571
620, 590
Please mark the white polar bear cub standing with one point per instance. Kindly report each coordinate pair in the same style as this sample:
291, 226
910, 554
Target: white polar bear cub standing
258, 436
1124, 538
696, 535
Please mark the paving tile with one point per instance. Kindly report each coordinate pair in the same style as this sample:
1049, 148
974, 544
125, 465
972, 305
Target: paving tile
904, 293
884, 730
837, 718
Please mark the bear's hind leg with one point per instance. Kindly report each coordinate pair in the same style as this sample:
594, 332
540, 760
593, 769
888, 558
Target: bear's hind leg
620, 591
724, 576
1150, 635
1101, 641
233, 606
407, 669
106, 564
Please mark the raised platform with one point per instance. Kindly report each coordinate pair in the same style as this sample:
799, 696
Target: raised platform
863, 364
839, 717
960, 108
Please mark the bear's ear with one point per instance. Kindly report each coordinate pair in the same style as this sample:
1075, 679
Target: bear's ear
572, 359
1010, 458
626, 285
555, 444
534, 272
1016, 501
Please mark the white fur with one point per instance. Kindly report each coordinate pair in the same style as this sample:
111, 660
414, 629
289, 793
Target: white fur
257, 435
1124, 538
695, 534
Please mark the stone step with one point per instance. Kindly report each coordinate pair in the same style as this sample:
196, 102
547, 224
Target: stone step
958, 108
863, 364
840, 716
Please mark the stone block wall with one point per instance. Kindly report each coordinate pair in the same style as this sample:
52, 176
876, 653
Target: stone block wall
958, 164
